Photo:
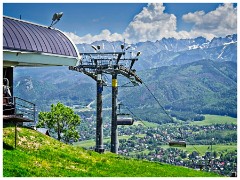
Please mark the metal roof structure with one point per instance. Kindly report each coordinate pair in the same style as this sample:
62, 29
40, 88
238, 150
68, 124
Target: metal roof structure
29, 44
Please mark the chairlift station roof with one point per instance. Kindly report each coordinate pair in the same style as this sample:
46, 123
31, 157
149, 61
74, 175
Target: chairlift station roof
29, 44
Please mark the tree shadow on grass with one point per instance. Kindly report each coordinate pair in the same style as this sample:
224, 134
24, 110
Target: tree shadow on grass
7, 147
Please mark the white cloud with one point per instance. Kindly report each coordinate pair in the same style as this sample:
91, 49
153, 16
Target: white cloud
152, 24
104, 35
220, 22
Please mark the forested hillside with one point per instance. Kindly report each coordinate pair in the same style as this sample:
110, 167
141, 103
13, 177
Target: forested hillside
201, 87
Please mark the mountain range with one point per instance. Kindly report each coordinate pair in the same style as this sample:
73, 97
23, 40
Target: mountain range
171, 51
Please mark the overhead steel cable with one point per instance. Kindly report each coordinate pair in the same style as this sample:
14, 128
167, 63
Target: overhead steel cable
166, 112
195, 149
135, 115
158, 102
168, 115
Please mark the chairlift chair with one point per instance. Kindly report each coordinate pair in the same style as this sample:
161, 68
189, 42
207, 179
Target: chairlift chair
124, 119
178, 142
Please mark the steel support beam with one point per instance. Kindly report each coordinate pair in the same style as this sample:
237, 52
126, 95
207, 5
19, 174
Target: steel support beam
114, 132
103, 53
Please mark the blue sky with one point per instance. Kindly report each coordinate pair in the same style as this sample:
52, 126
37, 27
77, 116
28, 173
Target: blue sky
82, 18
132, 21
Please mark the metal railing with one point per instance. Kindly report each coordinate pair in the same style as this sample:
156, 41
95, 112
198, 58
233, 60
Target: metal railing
19, 107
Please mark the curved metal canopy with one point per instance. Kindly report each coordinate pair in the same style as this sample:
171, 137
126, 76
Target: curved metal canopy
29, 44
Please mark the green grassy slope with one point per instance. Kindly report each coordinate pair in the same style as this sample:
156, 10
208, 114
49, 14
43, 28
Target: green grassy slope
91, 142
215, 119
202, 149
40, 156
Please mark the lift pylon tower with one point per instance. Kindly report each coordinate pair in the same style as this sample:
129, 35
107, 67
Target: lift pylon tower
99, 128
114, 132
113, 63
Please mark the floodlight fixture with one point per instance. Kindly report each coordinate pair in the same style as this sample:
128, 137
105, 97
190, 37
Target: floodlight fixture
98, 47
56, 17
138, 53
122, 46
133, 60
128, 47
94, 47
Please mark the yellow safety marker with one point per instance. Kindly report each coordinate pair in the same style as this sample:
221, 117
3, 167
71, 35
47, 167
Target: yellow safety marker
114, 82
